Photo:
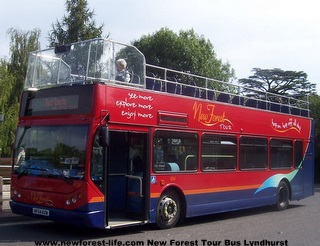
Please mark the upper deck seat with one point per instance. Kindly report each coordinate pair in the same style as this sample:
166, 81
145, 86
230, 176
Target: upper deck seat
189, 90
295, 111
223, 97
208, 93
149, 83
171, 87
251, 103
304, 112
238, 100
275, 107
262, 104
157, 85
285, 109
179, 89
211, 95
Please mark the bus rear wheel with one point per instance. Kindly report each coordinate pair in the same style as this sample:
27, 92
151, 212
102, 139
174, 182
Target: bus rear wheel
168, 210
282, 196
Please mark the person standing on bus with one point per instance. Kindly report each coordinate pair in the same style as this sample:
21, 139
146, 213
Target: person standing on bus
122, 74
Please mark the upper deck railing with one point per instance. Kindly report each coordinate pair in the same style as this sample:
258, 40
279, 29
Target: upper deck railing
181, 83
94, 61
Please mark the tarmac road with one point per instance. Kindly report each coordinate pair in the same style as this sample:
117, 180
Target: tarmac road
299, 225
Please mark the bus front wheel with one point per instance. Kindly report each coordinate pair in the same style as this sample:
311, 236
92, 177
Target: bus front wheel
282, 196
168, 210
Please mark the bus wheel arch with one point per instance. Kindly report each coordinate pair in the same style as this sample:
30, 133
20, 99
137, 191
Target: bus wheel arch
283, 195
171, 208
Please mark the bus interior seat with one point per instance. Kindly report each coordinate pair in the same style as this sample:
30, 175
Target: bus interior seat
208, 93
262, 104
190, 90
178, 91
149, 83
304, 112
172, 166
251, 103
211, 94
203, 94
157, 85
171, 87
223, 97
237, 100
275, 107
285, 109
295, 111
135, 79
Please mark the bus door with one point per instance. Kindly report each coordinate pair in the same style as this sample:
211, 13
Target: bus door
126, 178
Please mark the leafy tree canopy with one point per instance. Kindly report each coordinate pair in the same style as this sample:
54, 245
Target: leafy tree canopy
185, 51
12, 74
279, 81
21, 44
78, 25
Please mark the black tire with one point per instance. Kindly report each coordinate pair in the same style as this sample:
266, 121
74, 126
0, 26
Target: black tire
282, 202
168, 210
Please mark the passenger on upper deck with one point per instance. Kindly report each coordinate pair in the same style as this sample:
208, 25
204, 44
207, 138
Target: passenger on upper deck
122, 73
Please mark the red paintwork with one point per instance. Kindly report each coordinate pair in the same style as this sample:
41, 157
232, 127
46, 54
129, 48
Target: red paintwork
138, 109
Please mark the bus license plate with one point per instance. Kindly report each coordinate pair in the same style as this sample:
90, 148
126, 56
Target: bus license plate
39, 211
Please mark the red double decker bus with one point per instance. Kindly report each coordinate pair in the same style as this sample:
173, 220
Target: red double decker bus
105, 140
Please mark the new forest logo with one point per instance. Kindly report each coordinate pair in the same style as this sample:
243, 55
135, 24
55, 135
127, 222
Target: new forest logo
206, 115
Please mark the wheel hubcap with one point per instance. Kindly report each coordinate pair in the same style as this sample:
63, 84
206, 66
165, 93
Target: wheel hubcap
168, 208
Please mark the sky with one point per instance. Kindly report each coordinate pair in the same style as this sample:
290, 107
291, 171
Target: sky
248, 34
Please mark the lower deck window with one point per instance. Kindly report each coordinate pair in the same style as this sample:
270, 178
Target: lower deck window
218, 152
281, 152
175, 151
253, 152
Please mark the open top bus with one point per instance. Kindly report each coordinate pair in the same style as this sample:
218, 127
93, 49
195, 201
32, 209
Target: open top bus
94, 150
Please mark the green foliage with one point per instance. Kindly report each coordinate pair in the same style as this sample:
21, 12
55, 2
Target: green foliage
279, 82
6, 85
12, 74
185, 51
78, 25
21, 44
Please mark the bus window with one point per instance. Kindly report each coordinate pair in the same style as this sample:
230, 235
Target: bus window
280, 153
298, 154
218, 152
96, 169
253, 152
175, 151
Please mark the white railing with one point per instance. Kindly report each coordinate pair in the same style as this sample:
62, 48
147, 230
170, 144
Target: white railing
183, 83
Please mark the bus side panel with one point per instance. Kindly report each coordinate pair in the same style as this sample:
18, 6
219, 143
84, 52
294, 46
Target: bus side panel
302, 185
228, 201
217, 202
308, 165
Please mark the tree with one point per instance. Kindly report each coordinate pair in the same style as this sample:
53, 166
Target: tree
12, 74
185, 51
279, 82
21, 44
6, 84
77, 26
